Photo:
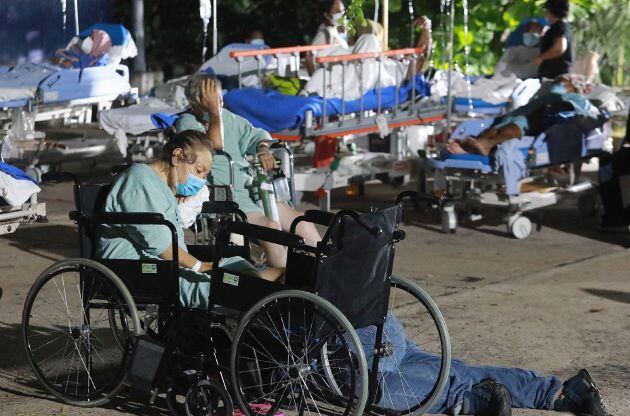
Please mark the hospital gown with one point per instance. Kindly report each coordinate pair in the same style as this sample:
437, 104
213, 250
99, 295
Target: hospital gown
408, 374
140, 189
241, 139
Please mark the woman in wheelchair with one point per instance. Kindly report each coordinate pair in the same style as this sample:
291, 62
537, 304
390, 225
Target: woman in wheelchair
180, 172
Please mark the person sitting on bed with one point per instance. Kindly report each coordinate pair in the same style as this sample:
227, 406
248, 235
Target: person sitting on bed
86, 53
564, 94
241, 140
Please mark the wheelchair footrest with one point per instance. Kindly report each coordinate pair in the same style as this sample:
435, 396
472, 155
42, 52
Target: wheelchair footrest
145, 364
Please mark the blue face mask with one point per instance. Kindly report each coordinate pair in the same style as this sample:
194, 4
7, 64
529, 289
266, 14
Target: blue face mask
531, 39
191, 187
257, 42
558, 89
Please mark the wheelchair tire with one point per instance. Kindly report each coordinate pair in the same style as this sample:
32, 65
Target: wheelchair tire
78, 328
275, 359
207, 398
420, 327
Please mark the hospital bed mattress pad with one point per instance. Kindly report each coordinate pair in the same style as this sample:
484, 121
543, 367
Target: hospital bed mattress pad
275, 112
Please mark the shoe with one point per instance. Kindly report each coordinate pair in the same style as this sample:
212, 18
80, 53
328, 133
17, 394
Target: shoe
492, 399
581, 397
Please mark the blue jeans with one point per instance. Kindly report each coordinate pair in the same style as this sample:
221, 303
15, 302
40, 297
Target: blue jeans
410, 372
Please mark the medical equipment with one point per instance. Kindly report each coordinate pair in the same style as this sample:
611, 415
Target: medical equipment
379, 109
263, 192
311, 317
514, 178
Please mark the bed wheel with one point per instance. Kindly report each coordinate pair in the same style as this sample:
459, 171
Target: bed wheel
520, 227
448, 216
588, 204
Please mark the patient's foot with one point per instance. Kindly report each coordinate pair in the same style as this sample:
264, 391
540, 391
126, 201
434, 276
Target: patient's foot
455, 148
474, 146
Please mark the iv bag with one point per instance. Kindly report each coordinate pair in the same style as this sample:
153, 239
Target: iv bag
205, 11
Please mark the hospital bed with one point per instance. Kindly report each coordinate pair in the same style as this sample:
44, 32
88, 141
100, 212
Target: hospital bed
514, 178
35, 93
383, 111
18, 199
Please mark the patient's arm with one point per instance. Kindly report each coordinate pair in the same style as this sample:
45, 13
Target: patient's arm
211, 101
185, 259
424, 42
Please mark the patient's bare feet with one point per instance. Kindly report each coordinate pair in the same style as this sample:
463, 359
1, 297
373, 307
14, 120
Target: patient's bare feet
474, 146
455, 148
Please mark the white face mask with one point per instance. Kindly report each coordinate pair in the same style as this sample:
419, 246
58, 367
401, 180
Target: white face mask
257, 42
336, 18
531, 39
86, 45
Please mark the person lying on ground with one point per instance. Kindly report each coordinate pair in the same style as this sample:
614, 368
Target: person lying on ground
408, 374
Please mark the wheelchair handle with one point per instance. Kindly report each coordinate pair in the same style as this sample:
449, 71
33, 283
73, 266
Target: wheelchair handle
230, 165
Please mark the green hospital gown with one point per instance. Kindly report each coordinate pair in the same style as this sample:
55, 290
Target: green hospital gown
241, 140
140, 189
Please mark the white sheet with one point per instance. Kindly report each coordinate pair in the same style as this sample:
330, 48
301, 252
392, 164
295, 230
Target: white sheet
16, 191
22, 81
134, 120
365, 75
495, 90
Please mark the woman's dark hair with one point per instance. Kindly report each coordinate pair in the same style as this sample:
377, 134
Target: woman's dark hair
326, 5
559, 8
190, 141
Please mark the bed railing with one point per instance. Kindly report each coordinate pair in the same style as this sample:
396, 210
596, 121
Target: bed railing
358, 122
259, 55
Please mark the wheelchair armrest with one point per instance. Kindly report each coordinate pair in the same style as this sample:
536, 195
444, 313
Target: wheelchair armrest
223, 207
314, 216
265, 234
139, 218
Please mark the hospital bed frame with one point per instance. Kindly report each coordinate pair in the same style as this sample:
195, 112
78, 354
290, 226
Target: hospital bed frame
470, 189
413, 112
12, 217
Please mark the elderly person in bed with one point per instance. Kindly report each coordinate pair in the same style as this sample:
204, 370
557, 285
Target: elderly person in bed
238, 138
565, 94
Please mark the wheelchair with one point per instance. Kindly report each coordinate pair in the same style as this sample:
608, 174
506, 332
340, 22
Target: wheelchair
315, 344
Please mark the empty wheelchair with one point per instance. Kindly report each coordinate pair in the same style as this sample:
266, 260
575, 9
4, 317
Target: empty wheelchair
317, 344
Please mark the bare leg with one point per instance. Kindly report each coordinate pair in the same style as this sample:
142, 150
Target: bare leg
273, 274
306, 230
276, 254
487, 140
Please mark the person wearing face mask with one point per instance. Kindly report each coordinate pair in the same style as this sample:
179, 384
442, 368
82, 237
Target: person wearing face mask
206, 114
556, 54
181, 170
255, 38
86, 53
564, 94
518, 60
331, 31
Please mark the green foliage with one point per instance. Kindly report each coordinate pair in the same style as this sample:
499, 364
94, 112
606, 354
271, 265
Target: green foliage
174, 30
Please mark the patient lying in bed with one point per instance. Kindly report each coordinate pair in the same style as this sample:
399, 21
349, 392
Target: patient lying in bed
89, 52
565, 94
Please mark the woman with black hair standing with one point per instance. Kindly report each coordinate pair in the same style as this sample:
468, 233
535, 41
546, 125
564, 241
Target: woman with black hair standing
556, 54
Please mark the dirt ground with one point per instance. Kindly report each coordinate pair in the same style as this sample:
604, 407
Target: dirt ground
555, 302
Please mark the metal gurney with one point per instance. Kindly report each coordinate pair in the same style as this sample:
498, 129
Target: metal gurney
513, 178
381, 110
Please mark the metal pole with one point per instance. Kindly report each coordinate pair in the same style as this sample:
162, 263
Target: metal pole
139, 62
385, 25
214, 27
449, 95
76, 18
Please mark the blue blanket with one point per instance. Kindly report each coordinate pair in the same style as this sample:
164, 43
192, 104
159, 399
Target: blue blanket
15, 172
272, 111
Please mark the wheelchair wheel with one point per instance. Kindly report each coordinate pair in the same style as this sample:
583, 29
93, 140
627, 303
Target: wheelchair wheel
276, 358
427, 351
67, 335
206, 398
